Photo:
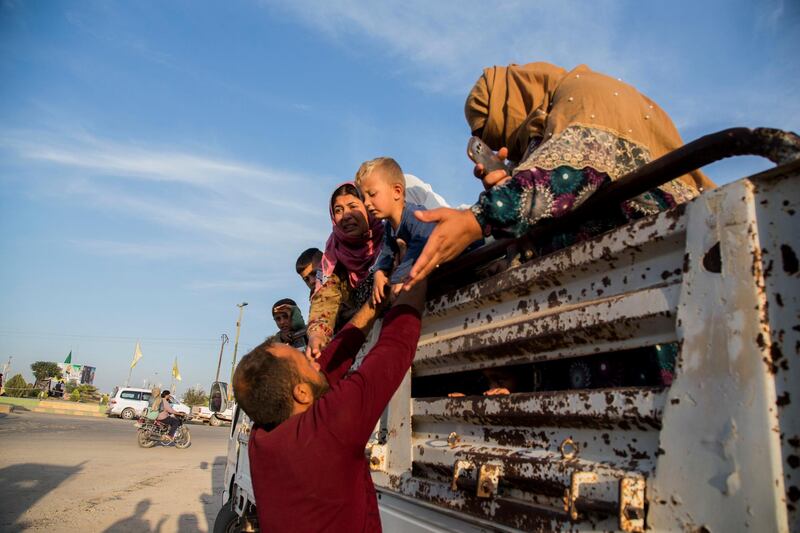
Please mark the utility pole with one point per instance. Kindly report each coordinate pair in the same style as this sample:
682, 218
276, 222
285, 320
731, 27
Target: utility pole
224, 339
241, 307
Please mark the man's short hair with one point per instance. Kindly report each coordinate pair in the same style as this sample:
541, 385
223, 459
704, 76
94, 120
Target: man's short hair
262, 385
312, 255
391, 170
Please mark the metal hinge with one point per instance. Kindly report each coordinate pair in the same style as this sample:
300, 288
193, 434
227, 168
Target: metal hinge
631, 504
489, 479
571, 494
460, 467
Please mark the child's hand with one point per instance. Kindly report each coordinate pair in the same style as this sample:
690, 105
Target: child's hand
316, 343
379, 287
396, 288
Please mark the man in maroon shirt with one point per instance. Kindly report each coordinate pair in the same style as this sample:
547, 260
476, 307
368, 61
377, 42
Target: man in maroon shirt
306, 451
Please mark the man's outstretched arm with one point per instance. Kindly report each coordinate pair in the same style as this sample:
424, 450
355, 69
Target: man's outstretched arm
338, 357
362, 397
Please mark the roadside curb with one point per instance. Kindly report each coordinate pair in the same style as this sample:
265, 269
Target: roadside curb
6, 408
67, 412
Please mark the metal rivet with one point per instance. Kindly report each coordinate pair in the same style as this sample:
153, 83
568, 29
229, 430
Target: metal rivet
565, 176
616, 93
647, 117
630, 131
591, 116
570, 98
499, 203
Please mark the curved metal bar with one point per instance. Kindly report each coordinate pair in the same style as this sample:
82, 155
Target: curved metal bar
778, 146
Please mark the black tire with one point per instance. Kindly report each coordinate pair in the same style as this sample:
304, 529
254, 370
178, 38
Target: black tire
127, 414
144, 439
183, 439
227, 521
214, 421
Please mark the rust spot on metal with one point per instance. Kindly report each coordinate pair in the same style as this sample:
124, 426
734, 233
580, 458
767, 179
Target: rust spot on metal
712, 260
789, 259
783, 399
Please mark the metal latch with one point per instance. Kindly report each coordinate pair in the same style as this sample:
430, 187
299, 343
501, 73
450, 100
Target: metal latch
489, 479
631, 504
377, 456
460, 467
571, 494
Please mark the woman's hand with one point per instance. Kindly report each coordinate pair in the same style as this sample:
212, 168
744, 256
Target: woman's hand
316, 343
454, 231
379, 287
496, 177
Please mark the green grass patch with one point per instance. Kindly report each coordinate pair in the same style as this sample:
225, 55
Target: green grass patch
24, 403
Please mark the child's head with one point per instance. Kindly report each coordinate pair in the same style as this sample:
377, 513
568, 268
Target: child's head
384, 187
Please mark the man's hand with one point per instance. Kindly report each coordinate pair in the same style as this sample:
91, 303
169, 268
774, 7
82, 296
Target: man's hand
316, 343
497, 391
379, 287
494, 178
454, 231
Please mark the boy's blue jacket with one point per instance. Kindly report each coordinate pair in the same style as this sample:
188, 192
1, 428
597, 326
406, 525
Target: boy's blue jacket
411, 231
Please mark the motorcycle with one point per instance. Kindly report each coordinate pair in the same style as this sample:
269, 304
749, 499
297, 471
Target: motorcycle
152, 432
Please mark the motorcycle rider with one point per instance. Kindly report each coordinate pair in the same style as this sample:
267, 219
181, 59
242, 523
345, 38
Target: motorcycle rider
166, 415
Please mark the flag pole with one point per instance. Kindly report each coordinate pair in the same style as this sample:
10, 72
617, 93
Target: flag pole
130, 370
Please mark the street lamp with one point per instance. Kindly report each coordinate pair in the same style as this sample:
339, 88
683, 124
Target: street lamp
224, 339
241, 307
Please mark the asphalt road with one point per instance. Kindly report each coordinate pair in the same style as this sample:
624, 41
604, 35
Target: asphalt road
63, 473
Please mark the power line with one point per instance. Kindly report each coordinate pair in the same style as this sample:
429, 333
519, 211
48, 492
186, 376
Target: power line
110, 338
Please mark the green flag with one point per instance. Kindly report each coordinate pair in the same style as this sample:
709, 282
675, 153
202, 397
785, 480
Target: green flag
68, 360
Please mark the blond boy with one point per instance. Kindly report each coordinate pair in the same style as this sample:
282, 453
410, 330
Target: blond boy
382, 182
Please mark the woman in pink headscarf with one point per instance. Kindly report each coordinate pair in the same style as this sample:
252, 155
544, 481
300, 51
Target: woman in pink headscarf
344, 281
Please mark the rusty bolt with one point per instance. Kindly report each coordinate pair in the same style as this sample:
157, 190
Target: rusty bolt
453, 438
375, 461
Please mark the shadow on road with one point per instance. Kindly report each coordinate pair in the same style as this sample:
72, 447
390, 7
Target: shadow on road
213, 501
21, 486
135, 522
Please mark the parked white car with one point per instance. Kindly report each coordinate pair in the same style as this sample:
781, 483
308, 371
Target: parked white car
128, 402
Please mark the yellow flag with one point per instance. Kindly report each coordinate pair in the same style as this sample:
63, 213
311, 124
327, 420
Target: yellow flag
175, 373
137, 354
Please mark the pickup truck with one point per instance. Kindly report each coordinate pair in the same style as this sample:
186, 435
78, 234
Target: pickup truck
714, 450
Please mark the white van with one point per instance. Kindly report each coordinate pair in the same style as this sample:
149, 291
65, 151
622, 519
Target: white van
128, 402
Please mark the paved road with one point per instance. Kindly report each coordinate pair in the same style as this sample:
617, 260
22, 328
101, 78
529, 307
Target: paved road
61, 473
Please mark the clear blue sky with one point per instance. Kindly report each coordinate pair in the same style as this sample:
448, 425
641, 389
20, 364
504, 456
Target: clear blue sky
162, 161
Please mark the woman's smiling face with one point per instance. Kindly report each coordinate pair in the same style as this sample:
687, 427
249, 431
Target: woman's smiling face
350, 215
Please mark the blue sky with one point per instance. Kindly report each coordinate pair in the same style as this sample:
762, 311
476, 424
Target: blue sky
162, 161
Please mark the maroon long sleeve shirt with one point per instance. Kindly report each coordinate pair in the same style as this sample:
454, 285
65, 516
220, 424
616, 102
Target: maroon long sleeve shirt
310, 472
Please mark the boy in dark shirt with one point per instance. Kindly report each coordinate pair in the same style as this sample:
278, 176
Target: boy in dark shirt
383, 184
